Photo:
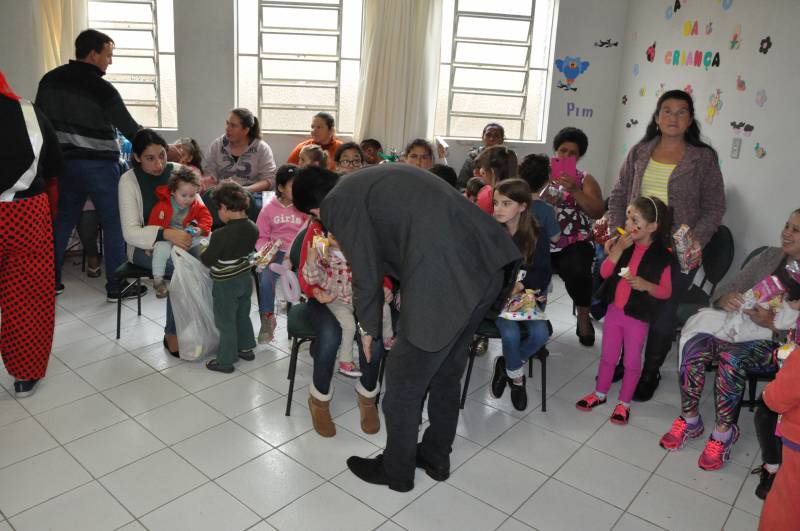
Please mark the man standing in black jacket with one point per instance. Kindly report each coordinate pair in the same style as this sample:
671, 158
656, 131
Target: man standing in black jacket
86, 111
454, 264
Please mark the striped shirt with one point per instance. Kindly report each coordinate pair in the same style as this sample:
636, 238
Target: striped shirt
656, 179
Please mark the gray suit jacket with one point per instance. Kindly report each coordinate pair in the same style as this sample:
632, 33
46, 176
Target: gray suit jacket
398, 220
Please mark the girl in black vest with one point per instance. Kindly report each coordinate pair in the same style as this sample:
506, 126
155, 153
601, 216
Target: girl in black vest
640, 257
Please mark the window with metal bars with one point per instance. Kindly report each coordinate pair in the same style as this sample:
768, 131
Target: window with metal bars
295, 59
495, 67
143, 67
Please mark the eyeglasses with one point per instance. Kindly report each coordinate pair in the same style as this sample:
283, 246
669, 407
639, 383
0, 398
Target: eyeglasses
351, 163
681, 113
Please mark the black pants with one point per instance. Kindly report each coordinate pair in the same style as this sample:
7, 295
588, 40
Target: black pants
765, 420
574, 265
664, 322
410, 372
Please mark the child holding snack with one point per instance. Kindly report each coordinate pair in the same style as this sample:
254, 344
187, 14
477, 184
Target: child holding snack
637, 275
228, 255
278, 220
179, 207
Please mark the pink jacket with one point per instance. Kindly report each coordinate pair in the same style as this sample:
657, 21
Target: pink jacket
276, 221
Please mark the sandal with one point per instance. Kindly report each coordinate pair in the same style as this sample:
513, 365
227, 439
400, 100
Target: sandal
589, 402
621, 415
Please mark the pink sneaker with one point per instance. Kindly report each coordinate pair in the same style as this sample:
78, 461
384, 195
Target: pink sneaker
589, 402
717, 452
681, 431
620, 415
348, 368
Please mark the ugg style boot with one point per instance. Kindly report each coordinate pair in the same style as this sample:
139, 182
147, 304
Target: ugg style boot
370, 421
319, 405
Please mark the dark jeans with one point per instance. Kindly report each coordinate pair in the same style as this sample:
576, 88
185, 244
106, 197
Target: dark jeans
326, 345
88, 231
410, 373
143, 260
574, 265
98, 180
664, 322
765, 420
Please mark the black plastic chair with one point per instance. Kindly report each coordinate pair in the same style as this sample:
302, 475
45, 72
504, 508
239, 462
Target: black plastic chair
125, 272
717, 260
488, 330
298, 321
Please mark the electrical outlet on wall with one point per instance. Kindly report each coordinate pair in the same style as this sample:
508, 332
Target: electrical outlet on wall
736, 148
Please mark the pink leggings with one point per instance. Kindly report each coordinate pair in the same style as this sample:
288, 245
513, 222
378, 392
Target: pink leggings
619, 327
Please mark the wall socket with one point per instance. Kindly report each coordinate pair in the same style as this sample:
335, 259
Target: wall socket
736, 148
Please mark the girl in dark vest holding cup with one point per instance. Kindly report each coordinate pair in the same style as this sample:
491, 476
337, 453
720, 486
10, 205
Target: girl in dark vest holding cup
637, 277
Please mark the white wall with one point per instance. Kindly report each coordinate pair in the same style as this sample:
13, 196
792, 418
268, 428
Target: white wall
760, 193
204, 46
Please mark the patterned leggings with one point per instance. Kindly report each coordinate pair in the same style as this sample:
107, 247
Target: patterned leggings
735, 359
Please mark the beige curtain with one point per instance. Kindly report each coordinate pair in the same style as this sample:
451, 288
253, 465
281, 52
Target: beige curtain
399, 71
59, 22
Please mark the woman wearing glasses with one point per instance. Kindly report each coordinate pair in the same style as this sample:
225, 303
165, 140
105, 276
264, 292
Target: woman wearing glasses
348, 158
674, 164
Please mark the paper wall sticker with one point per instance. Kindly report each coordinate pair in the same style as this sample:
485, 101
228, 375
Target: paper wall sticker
571, 67
761, 97
760, 150
661, 89
714, 106
623, 149
688, 89
650, 53
697, 58
766, 44
632, 123
726, 4
691, 28
636, 69
643, 91
668, 13
607, 43
736, 37
736, 148
709, 28
740, 84
742, 127
624, 99
583, 112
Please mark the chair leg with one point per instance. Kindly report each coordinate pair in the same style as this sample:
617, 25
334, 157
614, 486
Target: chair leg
381, 370
530, 367
472, 349
543, 359
138, 295
119, 314
292, 371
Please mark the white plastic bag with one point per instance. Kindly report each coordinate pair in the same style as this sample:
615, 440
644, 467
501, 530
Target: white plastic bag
192, 306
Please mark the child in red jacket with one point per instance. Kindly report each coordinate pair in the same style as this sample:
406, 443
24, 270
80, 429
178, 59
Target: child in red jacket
179, 207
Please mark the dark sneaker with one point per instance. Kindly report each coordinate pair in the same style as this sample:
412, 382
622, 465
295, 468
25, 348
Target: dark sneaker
765, 481
499, 377
59, 288
23, 388
130, 294
213, 365
247, 355
519, 395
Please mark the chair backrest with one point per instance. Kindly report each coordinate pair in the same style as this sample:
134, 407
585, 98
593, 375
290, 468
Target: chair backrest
213, 208
297, 248
753, 254
718, 256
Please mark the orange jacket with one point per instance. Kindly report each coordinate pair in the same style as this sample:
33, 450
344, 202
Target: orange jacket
782, 395
162, 212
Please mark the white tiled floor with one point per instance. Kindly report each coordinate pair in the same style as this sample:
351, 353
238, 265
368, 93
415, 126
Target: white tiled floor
122, 436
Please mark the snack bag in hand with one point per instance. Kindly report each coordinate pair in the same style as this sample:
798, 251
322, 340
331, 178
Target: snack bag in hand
687, 249
321, 244
768, 290
600, 230
264, 256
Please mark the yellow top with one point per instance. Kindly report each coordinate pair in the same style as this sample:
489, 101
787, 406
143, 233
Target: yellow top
655, 180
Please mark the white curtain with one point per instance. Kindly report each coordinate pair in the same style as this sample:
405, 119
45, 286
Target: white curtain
59, 22
399, 71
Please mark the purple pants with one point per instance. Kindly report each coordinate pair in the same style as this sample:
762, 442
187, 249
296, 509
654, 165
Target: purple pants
621, 329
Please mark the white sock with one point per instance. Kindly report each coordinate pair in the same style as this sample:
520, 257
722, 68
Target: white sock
626, 404
600, 395
772, 469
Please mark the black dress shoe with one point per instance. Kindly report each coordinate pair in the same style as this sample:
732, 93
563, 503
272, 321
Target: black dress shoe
247, 355
588, 339
764, 482
371, 471
171, 353
647, 387
519, 395
438, 473
499, 377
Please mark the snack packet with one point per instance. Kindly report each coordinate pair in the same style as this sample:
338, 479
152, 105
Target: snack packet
600, 230
687, 249
264, 256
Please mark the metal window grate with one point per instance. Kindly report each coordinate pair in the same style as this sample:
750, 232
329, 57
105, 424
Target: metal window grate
495, 67
143, 67
298, 58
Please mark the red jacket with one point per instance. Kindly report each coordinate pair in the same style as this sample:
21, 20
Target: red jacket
162, 212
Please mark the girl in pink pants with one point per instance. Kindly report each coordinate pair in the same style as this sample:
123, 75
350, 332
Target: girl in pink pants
640, 258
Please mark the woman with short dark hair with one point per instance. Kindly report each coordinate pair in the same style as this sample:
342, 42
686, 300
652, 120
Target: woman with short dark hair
323, 133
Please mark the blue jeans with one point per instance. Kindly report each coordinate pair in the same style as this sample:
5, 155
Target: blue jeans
516, 350
326, 346
266, 283
143, 260
98, 180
